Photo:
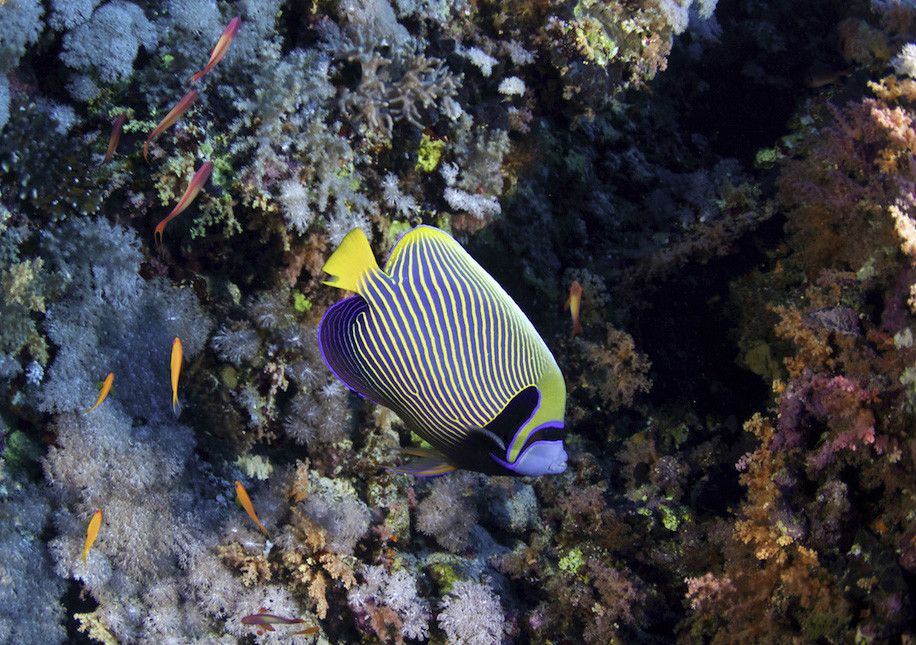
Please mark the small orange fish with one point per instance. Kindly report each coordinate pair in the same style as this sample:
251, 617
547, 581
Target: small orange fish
180, 108
245, 501
197, 181
308, 631
106, 388
574, 304
115, 137
175, 365
92, 532
222, 46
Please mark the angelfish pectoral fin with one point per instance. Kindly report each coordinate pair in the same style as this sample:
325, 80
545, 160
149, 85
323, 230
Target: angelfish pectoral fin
424, 463
487, 439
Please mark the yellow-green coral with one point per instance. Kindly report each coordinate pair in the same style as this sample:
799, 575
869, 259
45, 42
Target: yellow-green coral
92, 624
21, 285
429, 154
395, 230
301, 303
593, 41
444, 575
572, 561
255, 466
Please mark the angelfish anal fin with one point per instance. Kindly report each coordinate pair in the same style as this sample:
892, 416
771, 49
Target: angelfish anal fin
424, 462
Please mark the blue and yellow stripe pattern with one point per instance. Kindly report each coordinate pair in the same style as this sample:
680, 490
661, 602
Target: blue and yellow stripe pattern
436, 339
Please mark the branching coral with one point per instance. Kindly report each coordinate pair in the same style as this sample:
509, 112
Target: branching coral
768, 565
311, 555
614, 371
392, 90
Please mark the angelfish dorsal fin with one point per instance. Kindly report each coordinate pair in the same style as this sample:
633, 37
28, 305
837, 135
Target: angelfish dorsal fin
350, 262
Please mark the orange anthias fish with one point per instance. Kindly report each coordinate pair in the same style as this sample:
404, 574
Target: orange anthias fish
180, 108
175, 365
115, 137
245, 501
197, 182
222, 46
92, 532
574, 304
106, 388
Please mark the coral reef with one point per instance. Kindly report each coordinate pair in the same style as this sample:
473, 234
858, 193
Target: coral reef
740, 400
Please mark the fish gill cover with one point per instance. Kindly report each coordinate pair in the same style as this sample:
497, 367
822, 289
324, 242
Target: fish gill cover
722, 192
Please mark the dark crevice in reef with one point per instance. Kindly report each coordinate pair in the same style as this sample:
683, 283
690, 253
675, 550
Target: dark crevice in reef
77, 601
743, 91
686, 328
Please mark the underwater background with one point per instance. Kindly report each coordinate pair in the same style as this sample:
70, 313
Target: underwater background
731, 183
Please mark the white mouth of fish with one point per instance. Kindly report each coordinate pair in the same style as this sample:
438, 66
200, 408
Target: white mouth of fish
541, 458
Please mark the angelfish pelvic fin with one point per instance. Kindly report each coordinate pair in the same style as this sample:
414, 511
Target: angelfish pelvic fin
425, 463
350, 262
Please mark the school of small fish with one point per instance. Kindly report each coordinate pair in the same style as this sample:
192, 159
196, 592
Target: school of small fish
431, 336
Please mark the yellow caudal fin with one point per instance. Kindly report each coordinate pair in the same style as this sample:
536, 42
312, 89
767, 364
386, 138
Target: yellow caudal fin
351, 261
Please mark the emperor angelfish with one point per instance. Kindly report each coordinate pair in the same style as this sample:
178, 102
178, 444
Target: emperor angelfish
435, 338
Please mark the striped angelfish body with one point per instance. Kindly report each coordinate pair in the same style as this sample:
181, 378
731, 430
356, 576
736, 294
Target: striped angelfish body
436, 339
